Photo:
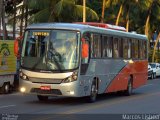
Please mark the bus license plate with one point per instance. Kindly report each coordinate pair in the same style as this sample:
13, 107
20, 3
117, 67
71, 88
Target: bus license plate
45, 87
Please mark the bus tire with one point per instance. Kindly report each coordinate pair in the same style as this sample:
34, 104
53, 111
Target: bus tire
6, 88
129, 90
42, 98
93, 93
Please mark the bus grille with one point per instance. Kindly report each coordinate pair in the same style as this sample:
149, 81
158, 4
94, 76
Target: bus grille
44, 80
52, 91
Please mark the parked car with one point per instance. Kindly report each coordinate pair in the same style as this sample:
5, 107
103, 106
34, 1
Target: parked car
156, 68
151, 74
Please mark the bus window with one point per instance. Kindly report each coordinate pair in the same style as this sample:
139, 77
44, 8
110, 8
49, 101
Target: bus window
134, 48
85, 48
116, 48
85, 52
96, 46
144, 47
126, 48
141, 52
107, 46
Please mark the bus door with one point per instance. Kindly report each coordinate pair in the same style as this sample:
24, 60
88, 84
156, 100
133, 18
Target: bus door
85, 52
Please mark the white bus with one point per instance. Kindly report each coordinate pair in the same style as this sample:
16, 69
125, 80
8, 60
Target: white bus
74, 60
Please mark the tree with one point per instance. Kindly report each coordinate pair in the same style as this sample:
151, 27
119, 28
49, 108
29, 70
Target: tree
152, 9
50, 11
155, 46
11, 11
125, 7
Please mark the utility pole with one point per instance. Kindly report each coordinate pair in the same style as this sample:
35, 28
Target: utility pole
84, 11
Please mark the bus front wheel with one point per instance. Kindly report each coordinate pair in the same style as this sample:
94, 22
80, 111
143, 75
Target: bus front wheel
93, 94
42, 98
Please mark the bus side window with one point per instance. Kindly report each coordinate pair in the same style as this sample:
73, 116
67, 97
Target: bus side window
126, 48
107, 46
115, 48
85, 48
96, 46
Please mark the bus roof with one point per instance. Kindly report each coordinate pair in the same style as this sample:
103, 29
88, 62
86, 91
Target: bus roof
84, 28
103, 25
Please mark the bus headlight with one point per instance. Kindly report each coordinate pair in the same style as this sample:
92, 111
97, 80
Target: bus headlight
22, 89
71, 78
23, 76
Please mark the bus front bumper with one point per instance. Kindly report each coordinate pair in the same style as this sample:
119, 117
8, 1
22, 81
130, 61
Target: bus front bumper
63, 89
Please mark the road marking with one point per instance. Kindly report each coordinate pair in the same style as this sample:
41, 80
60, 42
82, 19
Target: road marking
7, 106
146, 85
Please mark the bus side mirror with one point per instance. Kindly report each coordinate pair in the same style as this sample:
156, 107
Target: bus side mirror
85, 50
16, 48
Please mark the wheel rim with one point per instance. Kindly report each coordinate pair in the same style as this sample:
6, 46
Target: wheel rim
93, 91
129, 88
6, 88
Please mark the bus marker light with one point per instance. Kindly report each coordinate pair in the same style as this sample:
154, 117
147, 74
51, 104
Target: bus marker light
131, 61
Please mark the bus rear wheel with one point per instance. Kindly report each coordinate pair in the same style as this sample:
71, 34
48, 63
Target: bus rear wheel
129, 90
42, 98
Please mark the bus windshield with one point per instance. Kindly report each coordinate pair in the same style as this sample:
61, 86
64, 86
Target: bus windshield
50, 50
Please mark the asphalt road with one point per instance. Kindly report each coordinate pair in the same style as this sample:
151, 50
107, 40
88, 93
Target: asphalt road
145, 100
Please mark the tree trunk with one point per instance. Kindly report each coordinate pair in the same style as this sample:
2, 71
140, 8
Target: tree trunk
119, 14
84, 11
155, 45
127, 26
26, 13
128, 20
147, 26
14, 19
0, 14
4, 24
22, 15
103, 11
